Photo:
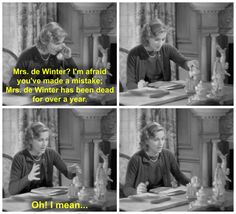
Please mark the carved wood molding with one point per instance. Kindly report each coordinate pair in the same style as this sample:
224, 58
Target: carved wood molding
70, 159
66, 146
210, 113
189, 159
185, 40
91, 113
108, 18
89, 137
190, 54
76, 54
90, 8
226, 17
209, 8
185, 146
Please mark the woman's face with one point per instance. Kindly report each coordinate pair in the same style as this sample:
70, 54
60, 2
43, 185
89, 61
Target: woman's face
40, 144
156, 144
155, 43
55, 47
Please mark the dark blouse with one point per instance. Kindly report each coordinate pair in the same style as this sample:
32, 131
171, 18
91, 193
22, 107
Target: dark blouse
154, 176
31, 59
153, 71
22, 165
142, 169
138, 64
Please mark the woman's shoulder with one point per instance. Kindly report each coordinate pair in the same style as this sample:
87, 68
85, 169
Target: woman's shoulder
20, 155
137, 156
28, 53
137, 50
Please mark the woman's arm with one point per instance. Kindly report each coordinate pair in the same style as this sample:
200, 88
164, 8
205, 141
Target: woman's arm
177, 57
131, 174
179, 176
61, 166
70, 63
17, 184
131, 74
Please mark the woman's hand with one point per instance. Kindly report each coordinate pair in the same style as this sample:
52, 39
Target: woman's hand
66, 51
75, 168
34, 172
142, 84
193, 67
142, 188
192, 64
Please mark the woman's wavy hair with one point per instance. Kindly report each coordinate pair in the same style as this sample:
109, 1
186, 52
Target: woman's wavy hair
51, 32
33, 132
149, 132
153, 29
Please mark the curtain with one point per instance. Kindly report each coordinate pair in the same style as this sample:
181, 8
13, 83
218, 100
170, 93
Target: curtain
31, 17
15, 122
167, 118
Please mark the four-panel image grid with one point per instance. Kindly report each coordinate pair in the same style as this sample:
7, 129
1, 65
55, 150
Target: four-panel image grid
117, 106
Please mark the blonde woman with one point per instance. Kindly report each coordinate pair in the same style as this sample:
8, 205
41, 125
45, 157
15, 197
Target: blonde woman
49, 51
152, 166
150, 61
33, 166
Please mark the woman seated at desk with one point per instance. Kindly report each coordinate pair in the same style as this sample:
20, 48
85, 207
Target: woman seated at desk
50, 51
152, 166
33, 167
150, 61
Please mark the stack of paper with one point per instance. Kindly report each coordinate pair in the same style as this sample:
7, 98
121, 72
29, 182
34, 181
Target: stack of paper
169, 191
50, 191
172, 85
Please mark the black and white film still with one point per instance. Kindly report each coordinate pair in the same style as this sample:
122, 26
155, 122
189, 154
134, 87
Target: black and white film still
176, 53
59, 160
59, 53
176, 159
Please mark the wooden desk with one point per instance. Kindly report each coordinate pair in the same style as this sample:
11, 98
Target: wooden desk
228, 205
176, 97
23, 202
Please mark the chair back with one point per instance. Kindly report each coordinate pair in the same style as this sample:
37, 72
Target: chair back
9, 60
6, 170
124, 160
123, 68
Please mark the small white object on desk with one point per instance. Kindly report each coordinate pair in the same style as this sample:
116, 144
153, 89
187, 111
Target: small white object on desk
193, 187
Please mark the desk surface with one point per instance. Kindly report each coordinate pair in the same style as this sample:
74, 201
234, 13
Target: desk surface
23, 202
176, 97
181, 206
